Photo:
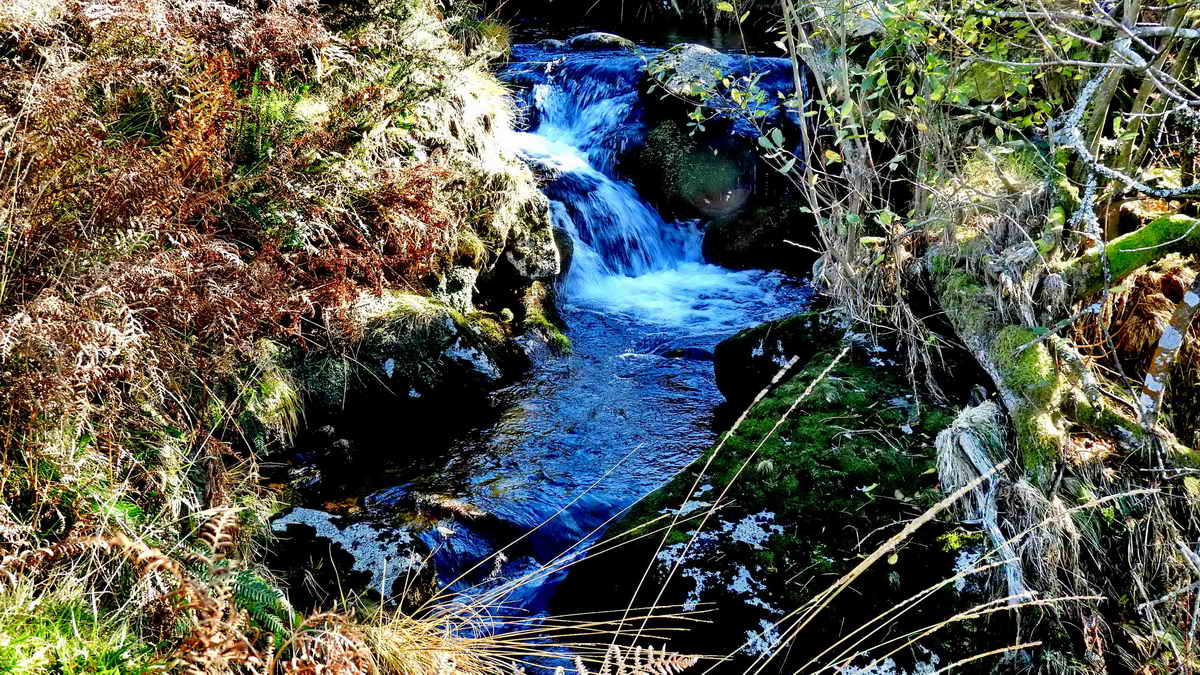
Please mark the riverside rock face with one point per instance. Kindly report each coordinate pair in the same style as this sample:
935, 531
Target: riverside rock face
413, 346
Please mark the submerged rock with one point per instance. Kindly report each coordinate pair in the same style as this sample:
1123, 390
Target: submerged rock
599, 40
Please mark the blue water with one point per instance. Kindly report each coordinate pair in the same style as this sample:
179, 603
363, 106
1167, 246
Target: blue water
588, 434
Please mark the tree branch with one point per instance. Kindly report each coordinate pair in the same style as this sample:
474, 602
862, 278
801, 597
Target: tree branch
1171, 234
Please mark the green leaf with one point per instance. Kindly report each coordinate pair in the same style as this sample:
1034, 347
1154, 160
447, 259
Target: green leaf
724, 7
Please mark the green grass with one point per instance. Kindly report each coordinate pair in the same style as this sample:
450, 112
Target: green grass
60, 632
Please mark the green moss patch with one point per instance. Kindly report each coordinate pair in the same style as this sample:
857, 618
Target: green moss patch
855, 455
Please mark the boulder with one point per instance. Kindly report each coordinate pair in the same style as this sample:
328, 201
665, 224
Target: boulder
598, 40
353, 554
694, 73
748, 361
695, 178
413, 346
767, 236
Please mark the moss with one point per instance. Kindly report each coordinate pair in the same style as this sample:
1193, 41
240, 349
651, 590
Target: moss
1127, 253
968, 303
1056, 220
558, 341
842, 457
1032, 373
485, 326
541, 317
327, 380
271, 401
1034, 377
1040, 440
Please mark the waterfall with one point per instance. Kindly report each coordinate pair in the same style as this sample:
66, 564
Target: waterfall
583, 110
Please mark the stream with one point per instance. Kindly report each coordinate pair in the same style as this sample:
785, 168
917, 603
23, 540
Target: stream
588, 434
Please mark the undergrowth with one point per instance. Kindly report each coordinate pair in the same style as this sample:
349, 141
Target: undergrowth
193, 193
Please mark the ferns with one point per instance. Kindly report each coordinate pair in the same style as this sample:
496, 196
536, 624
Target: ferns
266, 605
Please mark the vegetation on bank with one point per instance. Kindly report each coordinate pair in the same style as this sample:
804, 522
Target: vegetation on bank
217, 214
200, 199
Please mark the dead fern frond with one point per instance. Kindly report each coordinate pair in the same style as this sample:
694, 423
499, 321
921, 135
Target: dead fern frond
219, 532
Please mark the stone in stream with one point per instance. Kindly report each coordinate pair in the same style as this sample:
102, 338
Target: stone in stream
748, 361
691, 70
818, 474
343, 553
599, 40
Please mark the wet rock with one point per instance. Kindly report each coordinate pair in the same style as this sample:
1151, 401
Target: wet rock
598, 40
748, 361
351, 554
551, 44
763, 237
562, 238
694, 73
690, 353
413, 347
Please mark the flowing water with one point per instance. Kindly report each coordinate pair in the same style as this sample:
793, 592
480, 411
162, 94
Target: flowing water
588, 434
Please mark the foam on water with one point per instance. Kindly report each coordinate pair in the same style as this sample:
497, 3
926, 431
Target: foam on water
585, 109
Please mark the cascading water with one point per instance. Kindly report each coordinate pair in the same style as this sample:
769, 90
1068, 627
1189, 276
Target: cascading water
585, 109
592, 432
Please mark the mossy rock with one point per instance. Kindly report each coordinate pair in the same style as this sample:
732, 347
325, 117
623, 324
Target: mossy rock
414, 346
763, 237
810, 492
691, 177
748, 361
